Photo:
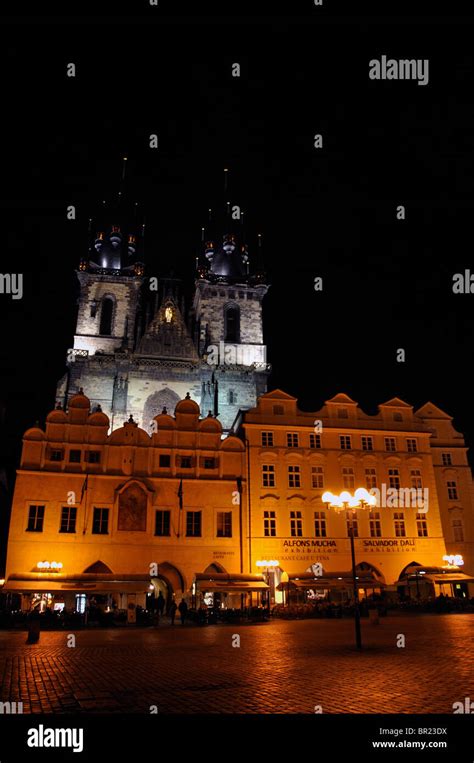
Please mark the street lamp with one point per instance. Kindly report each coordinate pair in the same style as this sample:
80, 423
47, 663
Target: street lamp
285, 578
343, 502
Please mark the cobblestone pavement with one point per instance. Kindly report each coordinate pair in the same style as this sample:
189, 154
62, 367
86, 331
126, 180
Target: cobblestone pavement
280, 667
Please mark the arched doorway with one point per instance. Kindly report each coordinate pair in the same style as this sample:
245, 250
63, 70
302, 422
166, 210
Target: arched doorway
170, 582
366, 568
410, 582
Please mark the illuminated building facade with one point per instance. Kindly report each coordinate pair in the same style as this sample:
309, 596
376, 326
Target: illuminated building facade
122, 515
136, 347
294, 456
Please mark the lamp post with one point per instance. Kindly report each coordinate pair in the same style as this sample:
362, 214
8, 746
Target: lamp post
285, 578
344, 502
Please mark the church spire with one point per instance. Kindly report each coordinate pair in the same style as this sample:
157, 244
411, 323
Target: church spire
116, 241
224, 253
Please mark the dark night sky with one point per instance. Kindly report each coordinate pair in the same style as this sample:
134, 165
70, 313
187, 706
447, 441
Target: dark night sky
329, 213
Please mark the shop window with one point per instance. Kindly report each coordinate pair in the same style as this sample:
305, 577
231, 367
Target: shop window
81, 603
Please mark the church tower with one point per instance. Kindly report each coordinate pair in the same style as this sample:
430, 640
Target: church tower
137, 350
228, 317
110, 280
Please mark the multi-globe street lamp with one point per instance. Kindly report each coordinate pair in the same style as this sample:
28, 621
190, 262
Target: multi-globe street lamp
349, 503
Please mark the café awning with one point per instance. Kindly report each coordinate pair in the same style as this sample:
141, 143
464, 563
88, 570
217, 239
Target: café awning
45, 582
438, 574
455, 577
222, 581
307, 580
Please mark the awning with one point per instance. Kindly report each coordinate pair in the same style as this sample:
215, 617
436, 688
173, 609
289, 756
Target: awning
437, 574
221, 581
308, 580
455, 577
38, 582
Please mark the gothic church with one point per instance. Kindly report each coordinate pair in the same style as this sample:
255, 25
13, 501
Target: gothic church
137, 350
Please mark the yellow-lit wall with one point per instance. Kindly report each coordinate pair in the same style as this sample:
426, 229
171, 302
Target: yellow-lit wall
388, 554
128, 455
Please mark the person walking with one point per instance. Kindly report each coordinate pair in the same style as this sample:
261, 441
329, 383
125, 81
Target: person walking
183, 610
173, 609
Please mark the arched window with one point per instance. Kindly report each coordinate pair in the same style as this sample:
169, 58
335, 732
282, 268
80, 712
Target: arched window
106, 313
232, 324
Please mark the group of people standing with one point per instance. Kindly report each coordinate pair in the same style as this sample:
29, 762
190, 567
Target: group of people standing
160, 604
